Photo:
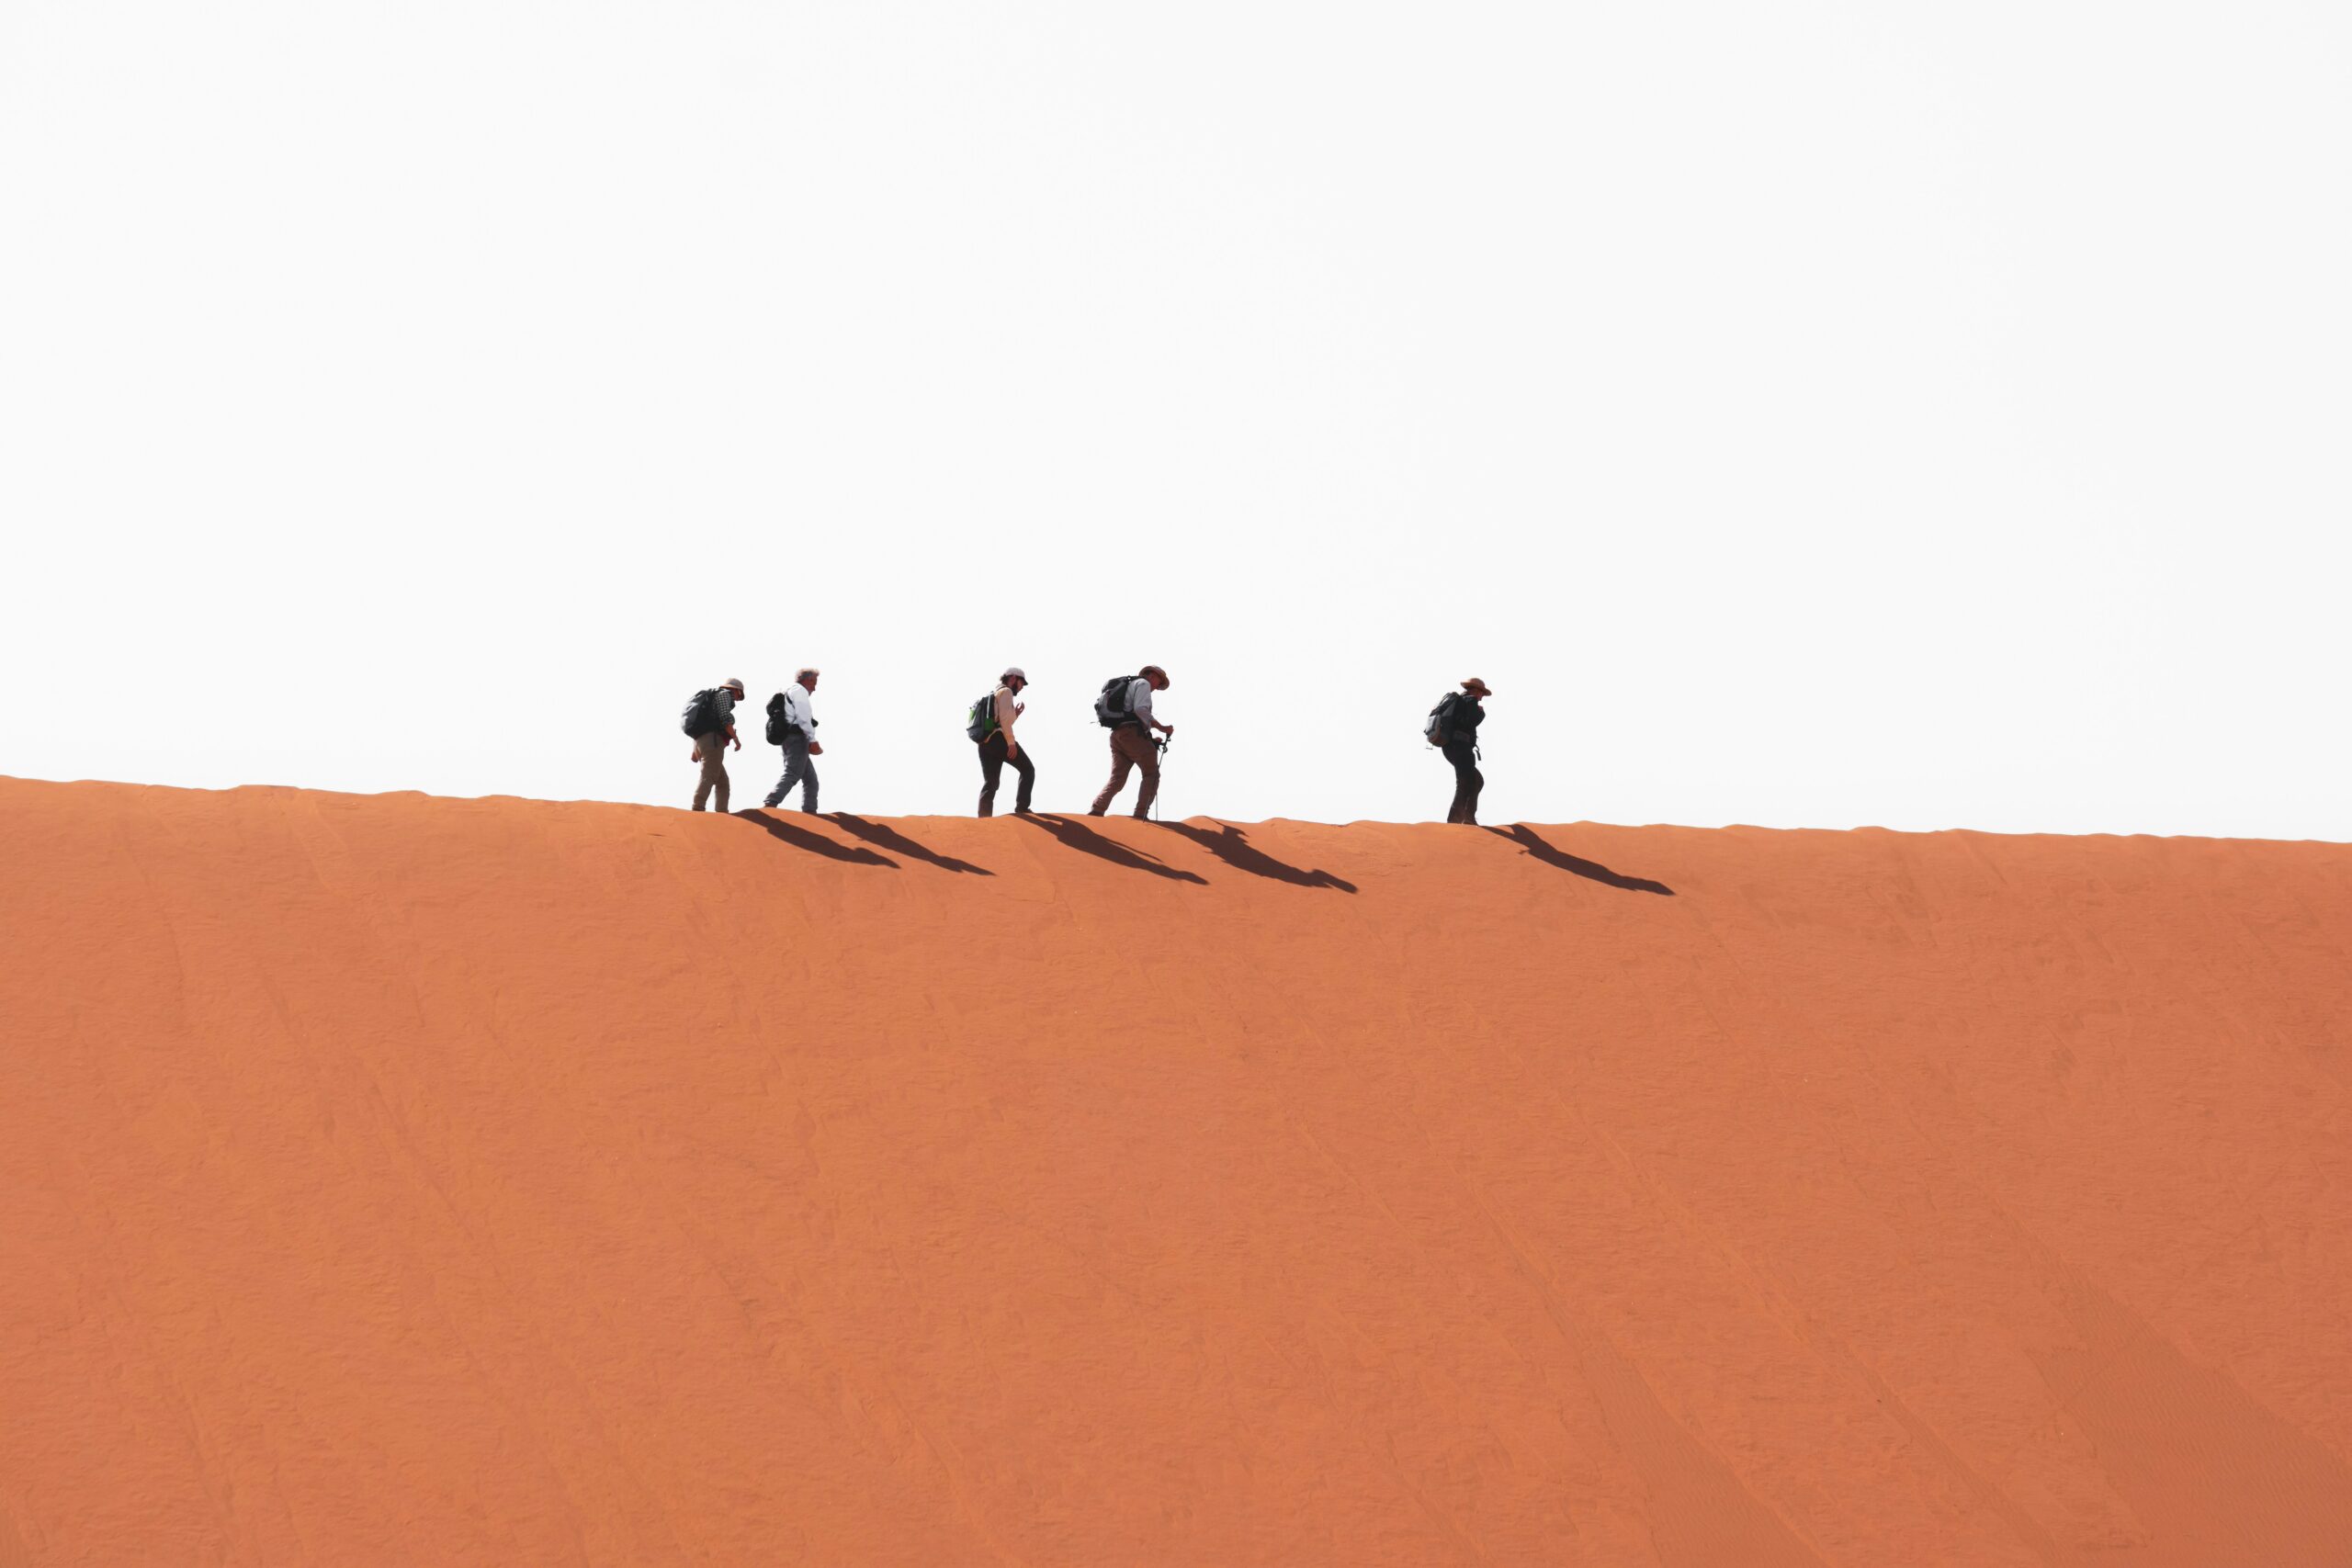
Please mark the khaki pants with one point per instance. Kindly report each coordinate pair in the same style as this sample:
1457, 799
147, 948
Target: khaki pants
1130, 748
714, 768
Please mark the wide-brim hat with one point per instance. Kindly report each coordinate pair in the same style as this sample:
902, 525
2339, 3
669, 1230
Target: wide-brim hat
1476, 684
1015, 673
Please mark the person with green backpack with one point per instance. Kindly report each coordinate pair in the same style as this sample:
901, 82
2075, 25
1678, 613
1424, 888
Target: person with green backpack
990, 722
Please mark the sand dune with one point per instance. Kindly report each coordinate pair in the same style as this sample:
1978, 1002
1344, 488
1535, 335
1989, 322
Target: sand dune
403, 1180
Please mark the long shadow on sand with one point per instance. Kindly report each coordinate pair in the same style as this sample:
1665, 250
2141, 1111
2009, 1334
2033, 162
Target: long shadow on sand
1527, 838
1232, 846
784, 832
892, 839
1088, 842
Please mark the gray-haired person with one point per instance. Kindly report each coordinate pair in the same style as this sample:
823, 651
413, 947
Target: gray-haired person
710, 719
796, 724
1125, 711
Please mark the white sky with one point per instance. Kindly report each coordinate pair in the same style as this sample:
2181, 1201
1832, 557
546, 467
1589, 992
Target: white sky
1803, 415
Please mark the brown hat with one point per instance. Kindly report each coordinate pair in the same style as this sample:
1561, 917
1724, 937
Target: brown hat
734, 684
1476, 684
1151, 670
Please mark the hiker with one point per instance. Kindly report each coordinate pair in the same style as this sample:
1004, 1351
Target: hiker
1453, 727
792, 724
1124, 709
710, 719
991, 725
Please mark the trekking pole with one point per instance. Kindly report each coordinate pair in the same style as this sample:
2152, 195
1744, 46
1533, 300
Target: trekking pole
1162, 744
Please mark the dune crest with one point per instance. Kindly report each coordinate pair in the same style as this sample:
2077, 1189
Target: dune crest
392, 1180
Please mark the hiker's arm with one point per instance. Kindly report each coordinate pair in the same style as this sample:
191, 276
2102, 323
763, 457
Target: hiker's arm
732, 735
1007, 710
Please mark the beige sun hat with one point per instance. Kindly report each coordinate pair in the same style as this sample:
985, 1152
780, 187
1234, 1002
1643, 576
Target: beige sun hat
734, 683
1014, 673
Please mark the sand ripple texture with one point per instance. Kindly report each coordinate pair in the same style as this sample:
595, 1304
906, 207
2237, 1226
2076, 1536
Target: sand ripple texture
402, 1181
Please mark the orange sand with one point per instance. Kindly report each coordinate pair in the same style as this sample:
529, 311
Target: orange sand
402, 1181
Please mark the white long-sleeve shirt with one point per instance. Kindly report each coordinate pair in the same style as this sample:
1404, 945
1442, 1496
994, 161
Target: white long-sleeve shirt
797, 712
1139, 702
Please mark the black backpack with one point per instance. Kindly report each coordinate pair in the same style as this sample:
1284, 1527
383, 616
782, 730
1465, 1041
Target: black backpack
779, 724
1440, 727
1111, 708
980, 722
701, 717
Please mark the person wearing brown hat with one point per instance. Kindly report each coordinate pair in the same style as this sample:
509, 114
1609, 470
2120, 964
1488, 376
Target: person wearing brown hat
710, 719
1454, 727
1124, 709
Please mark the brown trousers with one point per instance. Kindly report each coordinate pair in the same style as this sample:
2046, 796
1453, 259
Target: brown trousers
1131, 747
714, 768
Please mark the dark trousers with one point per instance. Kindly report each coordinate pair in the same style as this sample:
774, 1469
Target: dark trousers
1467, 781
993, 760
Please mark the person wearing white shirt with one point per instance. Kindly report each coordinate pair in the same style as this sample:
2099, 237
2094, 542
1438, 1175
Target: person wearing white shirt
798, 722
999, 745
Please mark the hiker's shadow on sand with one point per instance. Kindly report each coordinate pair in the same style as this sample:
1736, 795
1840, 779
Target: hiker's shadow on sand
1527, 838
1088, 842
1232, 846
784, 832
892, 839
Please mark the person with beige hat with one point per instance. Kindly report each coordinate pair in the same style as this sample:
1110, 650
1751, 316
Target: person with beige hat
710, 719
992, 727
1454, 729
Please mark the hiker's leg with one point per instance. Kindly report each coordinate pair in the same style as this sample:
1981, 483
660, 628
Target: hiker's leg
714, 769
1028, 772
1473, 781
807, 780
1465, 796
991, 770
795, 758
783, 781
1120, 763
1146, 757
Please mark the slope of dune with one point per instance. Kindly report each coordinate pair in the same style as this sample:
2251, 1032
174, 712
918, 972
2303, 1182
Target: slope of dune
394, 1180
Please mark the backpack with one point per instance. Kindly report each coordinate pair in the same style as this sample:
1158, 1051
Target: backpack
779, 720
979, 721
1111, 708
702, 714
1440, 727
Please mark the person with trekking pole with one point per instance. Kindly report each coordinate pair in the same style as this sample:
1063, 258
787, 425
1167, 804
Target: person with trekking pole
990, 724
792, 725
710, 719
1453, 727
1124, 709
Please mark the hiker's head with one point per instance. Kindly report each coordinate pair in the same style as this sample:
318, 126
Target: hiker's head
1156, 675
808, 679
1476, 688
1014, 678
734, 686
